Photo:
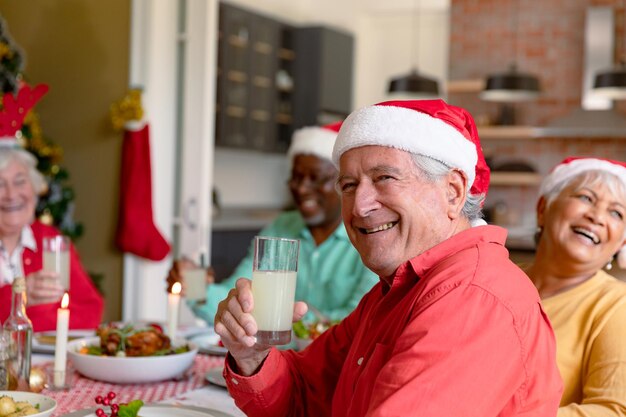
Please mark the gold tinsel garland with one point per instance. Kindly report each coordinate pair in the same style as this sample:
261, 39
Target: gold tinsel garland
5, 51
127, 109
37, 144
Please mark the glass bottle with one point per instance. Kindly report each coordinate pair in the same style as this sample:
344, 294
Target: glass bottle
4, 362
19, 331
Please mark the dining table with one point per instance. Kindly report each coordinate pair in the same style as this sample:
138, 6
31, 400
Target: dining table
195, 389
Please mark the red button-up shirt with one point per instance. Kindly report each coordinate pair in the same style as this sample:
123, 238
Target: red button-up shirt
460, 332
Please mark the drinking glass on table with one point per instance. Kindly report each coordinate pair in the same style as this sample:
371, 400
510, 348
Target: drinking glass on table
195, 283
56, 258
274, 271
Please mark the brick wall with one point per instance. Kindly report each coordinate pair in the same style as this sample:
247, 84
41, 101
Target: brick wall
549, 44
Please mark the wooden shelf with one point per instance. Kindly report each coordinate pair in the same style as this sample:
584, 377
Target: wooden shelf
263, 48
507, 132
514, 178
283, 118
465, 86
286, 54
260, 115
237, 41
235, 111
237, 76
261, 82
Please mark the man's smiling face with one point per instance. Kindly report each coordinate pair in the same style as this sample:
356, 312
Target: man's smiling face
390, 211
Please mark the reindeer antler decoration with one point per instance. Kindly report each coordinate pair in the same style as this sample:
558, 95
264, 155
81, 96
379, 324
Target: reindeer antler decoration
15, 109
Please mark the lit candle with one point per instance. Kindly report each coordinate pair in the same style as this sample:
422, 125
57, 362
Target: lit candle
60, 349
173, 300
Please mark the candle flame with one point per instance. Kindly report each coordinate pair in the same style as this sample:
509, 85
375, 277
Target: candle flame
176, 288
65, 301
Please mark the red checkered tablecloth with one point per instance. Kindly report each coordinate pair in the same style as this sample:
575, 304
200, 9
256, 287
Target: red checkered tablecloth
84, 390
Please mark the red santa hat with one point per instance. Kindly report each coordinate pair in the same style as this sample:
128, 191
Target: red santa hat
314, 140
431, 128
572, 167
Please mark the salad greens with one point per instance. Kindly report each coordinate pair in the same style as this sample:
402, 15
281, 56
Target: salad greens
131, 409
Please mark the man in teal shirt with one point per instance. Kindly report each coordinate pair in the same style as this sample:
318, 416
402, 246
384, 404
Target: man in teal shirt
331, 277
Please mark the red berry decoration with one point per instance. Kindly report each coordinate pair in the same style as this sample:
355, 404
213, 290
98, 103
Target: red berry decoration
107, 400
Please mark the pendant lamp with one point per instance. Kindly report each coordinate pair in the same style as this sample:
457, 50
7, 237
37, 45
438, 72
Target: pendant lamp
413, 85
511, 86
611, 83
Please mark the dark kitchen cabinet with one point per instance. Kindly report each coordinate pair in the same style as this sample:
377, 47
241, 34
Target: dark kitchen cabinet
255, 81
323, 73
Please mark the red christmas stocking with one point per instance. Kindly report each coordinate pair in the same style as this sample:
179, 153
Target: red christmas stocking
136, 232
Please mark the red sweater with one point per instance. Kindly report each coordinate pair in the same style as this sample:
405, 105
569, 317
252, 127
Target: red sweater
86, 304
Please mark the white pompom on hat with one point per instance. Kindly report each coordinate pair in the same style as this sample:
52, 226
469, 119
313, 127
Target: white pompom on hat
431, 128
314, 140
572, 167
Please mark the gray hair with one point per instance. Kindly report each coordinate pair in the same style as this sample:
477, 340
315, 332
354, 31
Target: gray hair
434, 170
591, 178
37, 180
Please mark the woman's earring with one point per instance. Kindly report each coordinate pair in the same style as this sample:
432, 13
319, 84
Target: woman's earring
609, 265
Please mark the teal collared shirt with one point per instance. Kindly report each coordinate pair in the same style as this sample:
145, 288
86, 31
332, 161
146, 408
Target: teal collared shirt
331, 276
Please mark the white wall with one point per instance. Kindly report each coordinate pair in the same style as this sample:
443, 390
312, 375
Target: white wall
382, 31
250, 179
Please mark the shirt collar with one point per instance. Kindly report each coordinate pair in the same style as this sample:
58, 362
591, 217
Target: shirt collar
27, 239
470, 237
423, 263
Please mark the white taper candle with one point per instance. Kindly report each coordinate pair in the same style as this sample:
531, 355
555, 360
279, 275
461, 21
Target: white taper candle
60, 348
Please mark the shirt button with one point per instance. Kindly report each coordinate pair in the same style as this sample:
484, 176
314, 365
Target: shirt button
234, 381
27, 261
360, 361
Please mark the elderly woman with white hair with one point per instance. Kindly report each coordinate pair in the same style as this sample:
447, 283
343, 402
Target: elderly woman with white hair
21, 254
581, 218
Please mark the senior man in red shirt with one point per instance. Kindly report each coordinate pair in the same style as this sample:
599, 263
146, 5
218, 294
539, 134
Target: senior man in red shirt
452, 329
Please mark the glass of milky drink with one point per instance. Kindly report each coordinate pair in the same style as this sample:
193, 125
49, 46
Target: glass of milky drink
274, 273
56, 257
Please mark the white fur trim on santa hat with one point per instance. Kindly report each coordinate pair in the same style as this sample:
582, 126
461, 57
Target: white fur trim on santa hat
8, 141
135, 125
408, 130
571, 169
313, 140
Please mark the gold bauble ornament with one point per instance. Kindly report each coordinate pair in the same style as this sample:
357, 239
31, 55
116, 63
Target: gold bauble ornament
38, 379
46, 218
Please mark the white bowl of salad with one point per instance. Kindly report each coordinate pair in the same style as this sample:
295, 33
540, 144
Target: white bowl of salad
132, 361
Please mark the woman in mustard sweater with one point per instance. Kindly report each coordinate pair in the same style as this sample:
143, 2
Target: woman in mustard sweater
581, 219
